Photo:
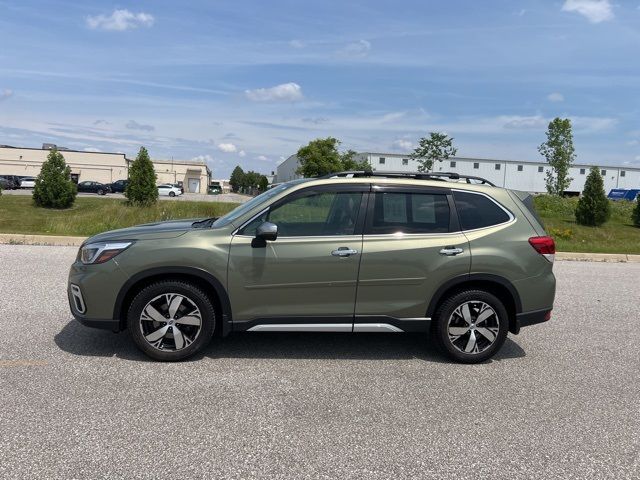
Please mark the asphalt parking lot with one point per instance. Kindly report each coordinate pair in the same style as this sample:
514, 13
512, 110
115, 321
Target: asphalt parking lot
560, 401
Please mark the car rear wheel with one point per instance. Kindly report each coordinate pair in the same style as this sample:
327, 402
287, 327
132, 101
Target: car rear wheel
171, 320
100, 191
172, 194
471, 326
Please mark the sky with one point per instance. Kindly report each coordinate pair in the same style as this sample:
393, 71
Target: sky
249, 82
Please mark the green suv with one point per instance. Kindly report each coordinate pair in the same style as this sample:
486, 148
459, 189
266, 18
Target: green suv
352, 252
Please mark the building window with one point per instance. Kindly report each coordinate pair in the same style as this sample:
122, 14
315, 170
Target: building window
382, 161
476, 165
497, 166
405, 161
452, 164
603, 172
623, 173
582, 171
519, 168
540, 169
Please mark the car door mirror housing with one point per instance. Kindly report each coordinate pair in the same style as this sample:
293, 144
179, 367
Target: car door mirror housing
266, 232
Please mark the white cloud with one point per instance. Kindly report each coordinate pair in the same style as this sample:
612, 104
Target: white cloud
242, 153
263, 158
203, 158
120, 20
101, 122
297, 44
91, 149
6, 93
595, 11
402, 144
286, 92
555, 97
524, 122
227, 147
593, 123
633, 143
361, 48
133, 125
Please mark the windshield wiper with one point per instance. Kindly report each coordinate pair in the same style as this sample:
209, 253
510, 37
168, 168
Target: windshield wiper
204, 223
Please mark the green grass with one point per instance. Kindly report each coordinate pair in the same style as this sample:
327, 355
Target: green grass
89, 216
94, 215
618, 235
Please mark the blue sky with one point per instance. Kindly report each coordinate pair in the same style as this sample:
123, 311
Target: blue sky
249, 82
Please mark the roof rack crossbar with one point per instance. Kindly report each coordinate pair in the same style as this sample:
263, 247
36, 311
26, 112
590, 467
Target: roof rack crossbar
416, 175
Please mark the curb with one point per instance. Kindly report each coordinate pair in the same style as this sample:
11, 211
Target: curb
64, 241
49, 240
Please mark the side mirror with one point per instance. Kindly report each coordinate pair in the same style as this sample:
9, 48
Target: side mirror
265, 232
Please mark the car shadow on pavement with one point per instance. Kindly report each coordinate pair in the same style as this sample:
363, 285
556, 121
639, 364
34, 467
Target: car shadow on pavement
79, 340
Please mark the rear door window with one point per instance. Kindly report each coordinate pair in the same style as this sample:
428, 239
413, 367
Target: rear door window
408, 212
478, 211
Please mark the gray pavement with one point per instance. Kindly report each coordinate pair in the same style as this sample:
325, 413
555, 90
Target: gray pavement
560, 401
200, 197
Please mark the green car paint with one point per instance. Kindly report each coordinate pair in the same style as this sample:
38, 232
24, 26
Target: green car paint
394, 281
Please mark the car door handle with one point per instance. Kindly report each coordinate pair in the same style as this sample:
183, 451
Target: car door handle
344, 252
451, 251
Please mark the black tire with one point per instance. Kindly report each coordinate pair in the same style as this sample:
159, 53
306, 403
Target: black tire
193, 294
172, 194
445, 311
100, 192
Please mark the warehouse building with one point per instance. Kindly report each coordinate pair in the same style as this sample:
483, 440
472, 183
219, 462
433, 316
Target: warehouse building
516, 175
103, 167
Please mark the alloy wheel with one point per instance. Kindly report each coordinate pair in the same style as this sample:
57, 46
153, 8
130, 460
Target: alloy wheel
170, 322
473, 327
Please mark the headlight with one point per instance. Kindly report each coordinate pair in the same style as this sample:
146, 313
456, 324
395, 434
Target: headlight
101, 252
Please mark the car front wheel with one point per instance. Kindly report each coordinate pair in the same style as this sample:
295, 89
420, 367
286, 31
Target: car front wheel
172, 194
171, 320
471, 326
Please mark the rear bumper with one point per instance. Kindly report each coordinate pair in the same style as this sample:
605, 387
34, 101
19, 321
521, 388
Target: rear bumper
526, 319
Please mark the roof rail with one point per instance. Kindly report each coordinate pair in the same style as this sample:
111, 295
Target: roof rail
417, 175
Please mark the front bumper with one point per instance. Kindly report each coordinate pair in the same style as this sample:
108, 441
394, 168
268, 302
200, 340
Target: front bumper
92, 292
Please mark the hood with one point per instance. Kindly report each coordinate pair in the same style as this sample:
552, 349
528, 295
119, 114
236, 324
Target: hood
148, 231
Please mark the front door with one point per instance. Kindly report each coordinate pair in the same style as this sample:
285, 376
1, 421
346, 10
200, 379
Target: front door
411, 246
306, 279
194, 185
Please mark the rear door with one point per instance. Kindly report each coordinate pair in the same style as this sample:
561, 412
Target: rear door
412, 244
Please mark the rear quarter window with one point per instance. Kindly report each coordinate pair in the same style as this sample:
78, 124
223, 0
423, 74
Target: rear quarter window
478, 211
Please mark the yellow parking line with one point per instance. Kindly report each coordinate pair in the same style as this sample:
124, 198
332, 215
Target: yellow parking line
22, 363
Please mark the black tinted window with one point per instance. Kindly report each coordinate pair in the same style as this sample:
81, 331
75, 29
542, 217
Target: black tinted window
478, 211
396, 212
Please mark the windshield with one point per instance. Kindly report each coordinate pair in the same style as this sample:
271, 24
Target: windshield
246, 207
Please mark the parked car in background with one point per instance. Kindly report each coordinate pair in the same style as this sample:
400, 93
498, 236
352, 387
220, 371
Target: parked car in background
10, 182
94, 187
27, 182
119, 186
176, 185
168, 190
426, 253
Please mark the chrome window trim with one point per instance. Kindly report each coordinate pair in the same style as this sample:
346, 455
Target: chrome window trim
512, 217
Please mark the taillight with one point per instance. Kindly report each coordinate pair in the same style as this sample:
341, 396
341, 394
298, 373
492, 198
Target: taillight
544, 246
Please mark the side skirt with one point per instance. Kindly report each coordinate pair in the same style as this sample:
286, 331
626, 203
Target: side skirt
345, 324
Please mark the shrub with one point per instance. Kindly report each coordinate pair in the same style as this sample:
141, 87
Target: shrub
593, 207
54, 187
142, 189
636, 213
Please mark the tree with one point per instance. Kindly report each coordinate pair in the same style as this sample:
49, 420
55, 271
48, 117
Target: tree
438, 146
237, 180
593, 207
636, 213
142, 189
54, 187
263, 184
559, 153
321, 157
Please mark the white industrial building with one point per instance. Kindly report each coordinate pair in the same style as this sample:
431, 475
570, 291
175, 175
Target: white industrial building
516, 175
103, 167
